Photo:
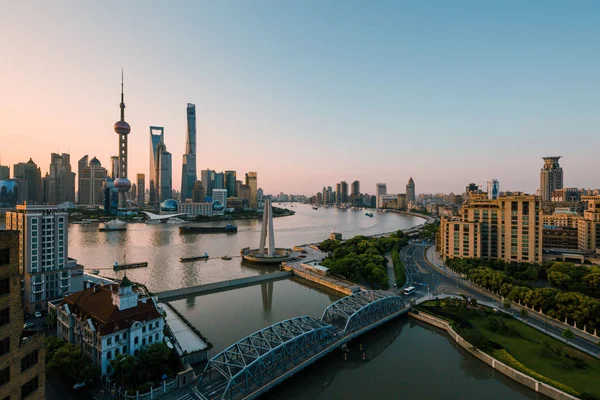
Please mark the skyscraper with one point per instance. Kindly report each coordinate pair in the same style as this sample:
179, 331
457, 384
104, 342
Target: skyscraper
551, 177
114, 167
32, 175
155, 140
251, 181
230, 178
329, 195
355, 192
198, 192
325, 199
81, 164
188, 168
122, 128
141, 189
59, 183
338, 193
410, 191
207, 178
91, 179
493, 189
344, 187
219, 180
164, 173
4, 172
380, 189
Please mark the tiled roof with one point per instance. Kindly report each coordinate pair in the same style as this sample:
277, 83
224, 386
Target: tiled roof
97, 304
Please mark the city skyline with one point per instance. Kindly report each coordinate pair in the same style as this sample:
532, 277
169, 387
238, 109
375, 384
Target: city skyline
348, 76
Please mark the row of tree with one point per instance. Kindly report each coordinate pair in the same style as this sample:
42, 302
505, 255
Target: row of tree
573, 306
362, 259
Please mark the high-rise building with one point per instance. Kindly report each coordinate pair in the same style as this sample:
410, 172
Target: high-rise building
114, 167
401, 202
32, 175
155, 140
81, 164
355, 193
508, 228
22, 364
164, 173
207, 177
4, 172
122, 128
141, 189
380, 189
245, 193
589, 226
59, 183
344, 188
251, 180
551, 177
198, 192
188, 168
330, 199
410, 191
48, 272
230, 179
338, 193
493, 189
219, 197
260, 196
219, 180
91, 179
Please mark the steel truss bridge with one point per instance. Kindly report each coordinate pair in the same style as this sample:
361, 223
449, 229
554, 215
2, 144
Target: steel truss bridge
253, 365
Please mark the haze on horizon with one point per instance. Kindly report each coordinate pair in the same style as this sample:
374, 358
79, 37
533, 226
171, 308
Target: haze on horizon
314, 92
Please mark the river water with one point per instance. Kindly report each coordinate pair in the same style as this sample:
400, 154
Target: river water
162, 245
404, 359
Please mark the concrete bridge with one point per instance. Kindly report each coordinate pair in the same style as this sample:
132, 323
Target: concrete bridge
260, 361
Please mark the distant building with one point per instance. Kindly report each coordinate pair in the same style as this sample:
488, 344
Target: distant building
194, 209
380, 189
566, 195
109, 320
188, 167
230, 179
4, 172
401, 201
141, 189
561, 217
219, 201
344, 191
91, 179
410, 191
219, 180
493, 189
155, 140
551, 177
198, 192
23, 353
251, 178
114, 167
59, 183
385, 199
245, 192
164, 173
32, 175
338, 193
207, 178
508, 228
48, 272
260, 195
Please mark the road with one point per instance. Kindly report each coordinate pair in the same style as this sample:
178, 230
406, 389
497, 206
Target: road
430, 280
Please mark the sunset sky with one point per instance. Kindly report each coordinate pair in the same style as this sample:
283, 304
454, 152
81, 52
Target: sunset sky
308, 93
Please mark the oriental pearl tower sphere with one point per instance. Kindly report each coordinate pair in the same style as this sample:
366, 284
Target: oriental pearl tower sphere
122, 128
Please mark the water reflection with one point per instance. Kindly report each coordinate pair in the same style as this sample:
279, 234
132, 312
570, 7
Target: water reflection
266, 289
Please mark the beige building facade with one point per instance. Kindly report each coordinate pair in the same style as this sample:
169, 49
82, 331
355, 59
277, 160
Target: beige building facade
589, 225
508, 228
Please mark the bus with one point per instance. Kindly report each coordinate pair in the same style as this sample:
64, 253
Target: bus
409, 290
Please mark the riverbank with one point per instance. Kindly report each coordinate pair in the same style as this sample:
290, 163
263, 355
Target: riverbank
520, 352
277, 212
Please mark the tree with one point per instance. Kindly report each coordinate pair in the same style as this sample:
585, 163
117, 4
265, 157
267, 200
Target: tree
51, 317
523, 312
52, 345
568, 334
68, 362
506, 304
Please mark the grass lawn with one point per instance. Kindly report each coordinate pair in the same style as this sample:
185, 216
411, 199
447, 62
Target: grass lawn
527, 349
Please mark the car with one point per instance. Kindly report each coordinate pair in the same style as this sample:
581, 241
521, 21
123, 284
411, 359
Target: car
37, 314
28, 325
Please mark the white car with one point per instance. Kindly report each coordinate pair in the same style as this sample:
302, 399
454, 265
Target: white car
37, 314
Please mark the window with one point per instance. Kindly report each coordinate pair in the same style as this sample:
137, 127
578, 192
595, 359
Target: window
4, 286
29, 387
4, 376
156, 337
124, 349
5, 316
150, 339
136, 340
109, 341
144, 329
124, 335
109, 355
144, 342
4, 346
4, 256
29, 360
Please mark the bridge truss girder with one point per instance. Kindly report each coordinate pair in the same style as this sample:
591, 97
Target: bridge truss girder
262, 357
353, 313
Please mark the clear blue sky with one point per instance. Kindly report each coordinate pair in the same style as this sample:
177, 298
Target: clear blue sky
308, 93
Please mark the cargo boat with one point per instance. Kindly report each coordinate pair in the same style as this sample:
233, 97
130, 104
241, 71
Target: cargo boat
208, 229
202, 257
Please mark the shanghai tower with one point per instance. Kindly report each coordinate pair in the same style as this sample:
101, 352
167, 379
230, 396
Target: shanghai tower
188, 168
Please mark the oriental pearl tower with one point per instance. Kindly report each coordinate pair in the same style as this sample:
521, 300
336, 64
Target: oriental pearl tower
122, 128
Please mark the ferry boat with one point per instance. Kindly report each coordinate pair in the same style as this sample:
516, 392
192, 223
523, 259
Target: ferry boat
94, 271
315, 208
208, 229
369, 214
226, 258
114, 225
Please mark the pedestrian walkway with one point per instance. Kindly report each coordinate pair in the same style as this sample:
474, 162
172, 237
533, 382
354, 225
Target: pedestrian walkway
186, 339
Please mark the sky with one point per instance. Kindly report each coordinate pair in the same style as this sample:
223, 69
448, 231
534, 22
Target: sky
309, 93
